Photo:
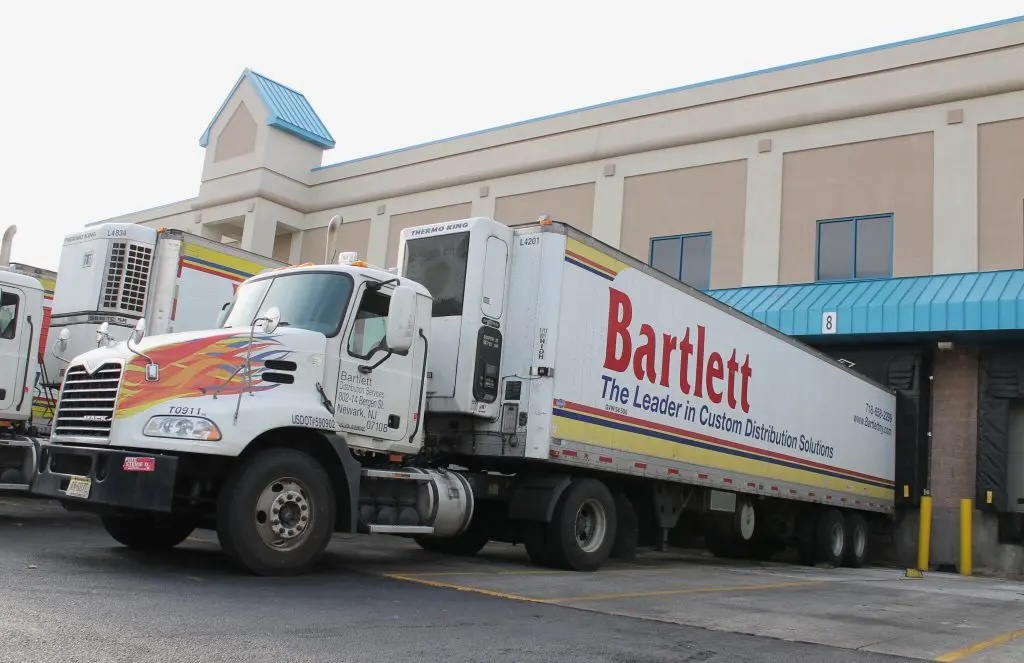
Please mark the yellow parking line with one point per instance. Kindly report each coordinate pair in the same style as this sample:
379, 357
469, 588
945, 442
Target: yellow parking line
463, 588
435, 574
595, 597
970, 650
690, 590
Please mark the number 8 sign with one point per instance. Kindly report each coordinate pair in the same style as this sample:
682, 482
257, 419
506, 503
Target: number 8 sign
828, 322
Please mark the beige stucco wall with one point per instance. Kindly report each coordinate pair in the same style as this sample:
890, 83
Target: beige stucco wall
690, 200
912, 129
874, 177
352, 236
1001, 195
570, 204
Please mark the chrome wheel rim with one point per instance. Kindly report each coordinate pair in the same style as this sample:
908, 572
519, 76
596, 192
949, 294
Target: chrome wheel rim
591, 525
284, 514
748, 521
838, 539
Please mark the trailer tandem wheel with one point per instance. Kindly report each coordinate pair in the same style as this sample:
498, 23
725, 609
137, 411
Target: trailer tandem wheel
583, 527
856, 540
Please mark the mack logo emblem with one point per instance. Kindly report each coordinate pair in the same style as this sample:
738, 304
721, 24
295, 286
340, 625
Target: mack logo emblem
138, 464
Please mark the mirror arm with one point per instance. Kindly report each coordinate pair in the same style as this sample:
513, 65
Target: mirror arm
366, 370
377, 285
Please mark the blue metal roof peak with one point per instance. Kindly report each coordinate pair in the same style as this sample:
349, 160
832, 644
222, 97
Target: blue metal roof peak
287, 110
934, 304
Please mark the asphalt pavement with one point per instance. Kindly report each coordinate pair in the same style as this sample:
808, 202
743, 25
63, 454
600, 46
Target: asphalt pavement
69, 593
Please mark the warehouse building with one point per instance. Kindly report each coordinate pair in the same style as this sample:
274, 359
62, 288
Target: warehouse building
870, 203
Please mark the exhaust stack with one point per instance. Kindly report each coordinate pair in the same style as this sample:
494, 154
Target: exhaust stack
5, 247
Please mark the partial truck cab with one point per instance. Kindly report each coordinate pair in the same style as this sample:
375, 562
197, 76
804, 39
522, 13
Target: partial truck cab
21, 312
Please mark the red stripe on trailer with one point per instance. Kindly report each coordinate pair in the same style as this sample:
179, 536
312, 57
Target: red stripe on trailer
640, 466
702, 476
751, 484
673, 470
775, 488
792, 491
726, 480
810, 494
174, 307
569, 452
605, 459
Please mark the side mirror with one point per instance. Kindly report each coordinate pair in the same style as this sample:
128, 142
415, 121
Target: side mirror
223, 315
271, 319
139, 332
63, 338
101, 333
401, 320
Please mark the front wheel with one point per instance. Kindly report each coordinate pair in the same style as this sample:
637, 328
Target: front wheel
158, 532
275, 513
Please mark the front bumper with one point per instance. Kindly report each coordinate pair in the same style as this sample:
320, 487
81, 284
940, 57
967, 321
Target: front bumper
101, 477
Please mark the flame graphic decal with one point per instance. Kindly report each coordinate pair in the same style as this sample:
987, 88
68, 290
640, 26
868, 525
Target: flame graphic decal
197, 368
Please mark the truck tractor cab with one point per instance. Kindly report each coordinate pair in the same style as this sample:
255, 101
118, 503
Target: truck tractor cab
21, 306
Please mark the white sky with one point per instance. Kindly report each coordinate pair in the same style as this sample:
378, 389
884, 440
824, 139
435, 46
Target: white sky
103, 102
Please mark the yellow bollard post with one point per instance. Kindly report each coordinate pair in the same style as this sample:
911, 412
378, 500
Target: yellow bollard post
924, 533
966, 537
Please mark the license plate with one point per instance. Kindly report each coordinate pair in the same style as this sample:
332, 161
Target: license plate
79, 487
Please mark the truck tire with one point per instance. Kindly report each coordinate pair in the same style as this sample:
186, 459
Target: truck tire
149, 533
806, 539
856, 541
466, 544
276, 512
830, 536
583, 528
535, 540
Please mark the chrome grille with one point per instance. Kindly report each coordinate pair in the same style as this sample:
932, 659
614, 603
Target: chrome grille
127, 277
86, 405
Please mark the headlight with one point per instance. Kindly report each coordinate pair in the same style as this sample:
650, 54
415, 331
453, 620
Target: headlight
182, 428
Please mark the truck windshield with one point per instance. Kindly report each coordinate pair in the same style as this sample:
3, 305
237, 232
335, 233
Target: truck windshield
315, 301
439, 264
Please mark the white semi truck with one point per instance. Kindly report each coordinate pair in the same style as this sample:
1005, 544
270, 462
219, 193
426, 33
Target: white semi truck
520, 384
109, 276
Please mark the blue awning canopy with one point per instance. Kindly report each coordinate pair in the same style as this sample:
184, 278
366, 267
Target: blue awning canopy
917, 305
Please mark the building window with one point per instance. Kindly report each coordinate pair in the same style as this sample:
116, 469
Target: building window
684, 257
855, 248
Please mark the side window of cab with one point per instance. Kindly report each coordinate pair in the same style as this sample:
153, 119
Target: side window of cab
370, 326
8, 315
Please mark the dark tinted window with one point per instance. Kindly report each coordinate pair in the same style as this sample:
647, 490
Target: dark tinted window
8, 315
858, 247
684, 257
439, 263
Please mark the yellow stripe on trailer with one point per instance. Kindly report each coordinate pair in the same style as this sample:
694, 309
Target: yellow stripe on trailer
648, 445
593, 259
208, 259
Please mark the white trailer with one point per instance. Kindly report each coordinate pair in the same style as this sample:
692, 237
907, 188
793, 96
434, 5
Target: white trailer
524, 384
114, 274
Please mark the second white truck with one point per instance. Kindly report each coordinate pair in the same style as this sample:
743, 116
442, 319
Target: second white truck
524, 384
110, 276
